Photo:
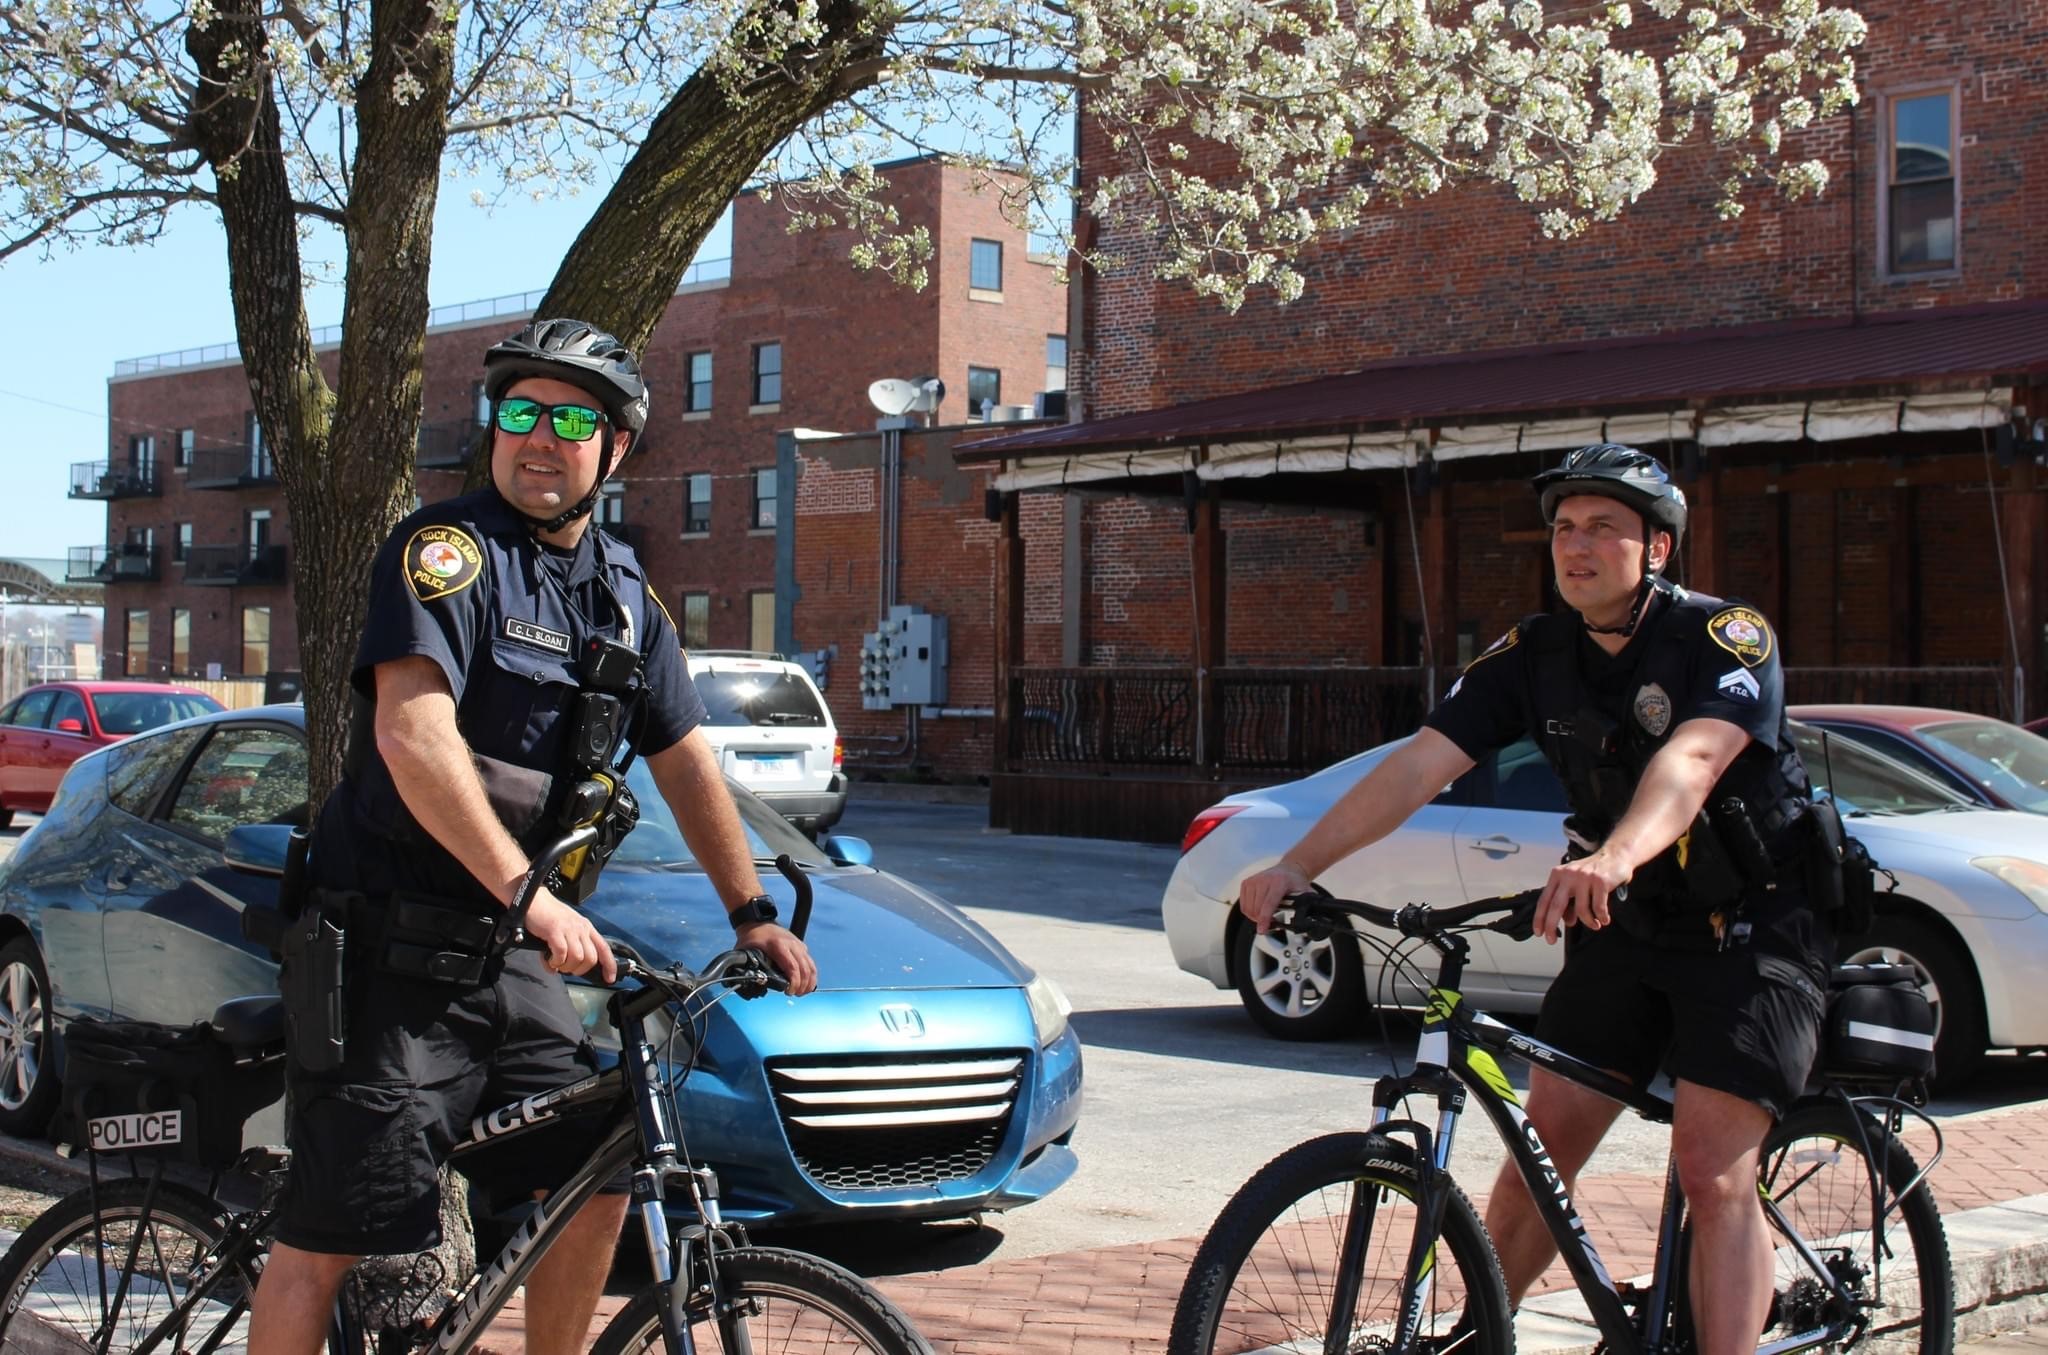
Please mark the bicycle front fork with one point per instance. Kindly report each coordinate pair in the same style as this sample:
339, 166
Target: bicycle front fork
686, 1270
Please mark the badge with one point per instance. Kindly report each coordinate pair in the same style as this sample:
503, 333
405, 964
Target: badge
528, 633
1738, 684
1653, 710
1742, 633
440, 561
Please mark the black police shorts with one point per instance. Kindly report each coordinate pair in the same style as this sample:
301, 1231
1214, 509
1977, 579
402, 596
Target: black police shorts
424, 1060
1745, 1020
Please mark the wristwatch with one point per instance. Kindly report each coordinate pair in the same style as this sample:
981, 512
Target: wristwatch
760, 908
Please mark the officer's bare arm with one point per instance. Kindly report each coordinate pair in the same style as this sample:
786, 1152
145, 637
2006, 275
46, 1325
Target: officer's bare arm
687, 774
430, 764
1406, 779
1674, 786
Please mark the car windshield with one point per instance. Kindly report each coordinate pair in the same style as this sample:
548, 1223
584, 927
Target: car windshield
133, 712
757, 697
1866, 782
2010, 762
659, 842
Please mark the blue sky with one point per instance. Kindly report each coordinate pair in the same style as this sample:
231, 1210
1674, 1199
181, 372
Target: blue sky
66, 320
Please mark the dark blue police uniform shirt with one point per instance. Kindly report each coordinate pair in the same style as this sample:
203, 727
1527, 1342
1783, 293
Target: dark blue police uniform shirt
466, 584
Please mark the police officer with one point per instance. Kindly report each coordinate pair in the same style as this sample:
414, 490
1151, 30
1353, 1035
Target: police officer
1662, 712
510, 648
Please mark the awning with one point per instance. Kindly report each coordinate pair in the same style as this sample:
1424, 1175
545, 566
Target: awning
1821, 380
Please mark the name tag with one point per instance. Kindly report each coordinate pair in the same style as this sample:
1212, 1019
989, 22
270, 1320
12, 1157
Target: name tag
528, 633
123, 1133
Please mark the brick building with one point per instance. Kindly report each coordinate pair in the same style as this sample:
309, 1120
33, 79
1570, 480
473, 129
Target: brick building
783, 334
1300, 519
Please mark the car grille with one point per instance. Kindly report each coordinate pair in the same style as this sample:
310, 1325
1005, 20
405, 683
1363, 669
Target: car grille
880, 1124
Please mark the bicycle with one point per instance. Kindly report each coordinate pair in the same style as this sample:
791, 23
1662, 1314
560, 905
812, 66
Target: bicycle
1363, 1242
144, 1263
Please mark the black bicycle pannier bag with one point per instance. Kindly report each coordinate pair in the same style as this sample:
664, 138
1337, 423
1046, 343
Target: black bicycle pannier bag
162, 1091
1880, 1026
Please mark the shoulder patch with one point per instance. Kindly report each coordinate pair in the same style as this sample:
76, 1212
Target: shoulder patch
1500, 646
441, 561
1743, 633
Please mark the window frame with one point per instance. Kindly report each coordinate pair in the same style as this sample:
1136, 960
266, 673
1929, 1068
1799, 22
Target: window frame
761, 398
181, 542
755, 521
975, 281
178, 667
1050, 340
691, 404
975, 415
185, 442
1887, 132
684, 624
128, 616
690, 480
269, 637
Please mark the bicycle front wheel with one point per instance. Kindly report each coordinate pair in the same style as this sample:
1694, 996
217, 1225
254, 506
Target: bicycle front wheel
780, 1300
1815, 1172
1328, 1225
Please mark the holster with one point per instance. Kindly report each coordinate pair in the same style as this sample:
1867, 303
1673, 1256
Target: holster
425, 938
310, 977
1826, 844
605, 801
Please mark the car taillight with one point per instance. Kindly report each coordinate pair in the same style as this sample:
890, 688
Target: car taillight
1204, 824
838, 754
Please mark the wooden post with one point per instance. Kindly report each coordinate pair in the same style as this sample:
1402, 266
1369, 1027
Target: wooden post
2021, 525
1209, 582
1009, 632
1440, 584
1903, 647
1706, 556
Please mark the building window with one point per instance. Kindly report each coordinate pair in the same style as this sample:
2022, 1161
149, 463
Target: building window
767, 373
696, 621
181, 641
480, 404
764, 497
186, 441
1921, 201
259, 455
181, 542
142, 457
138, 644
259, 532
696, 504
1055, 362
611, 504
984, 391
255, 641
985, 265
761, 608
697, 397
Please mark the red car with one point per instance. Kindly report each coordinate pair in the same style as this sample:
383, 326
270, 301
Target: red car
50, 726
1994, 762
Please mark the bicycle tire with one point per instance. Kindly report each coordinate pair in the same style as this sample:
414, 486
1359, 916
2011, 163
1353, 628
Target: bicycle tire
54, 1284
802, 1303
1264, 1277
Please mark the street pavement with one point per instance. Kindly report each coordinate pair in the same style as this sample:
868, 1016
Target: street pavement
1185, 1100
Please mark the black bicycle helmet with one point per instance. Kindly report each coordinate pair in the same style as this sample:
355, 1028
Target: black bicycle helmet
1620, 473
584, 356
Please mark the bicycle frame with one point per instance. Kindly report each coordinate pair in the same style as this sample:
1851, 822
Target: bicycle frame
1456, 1057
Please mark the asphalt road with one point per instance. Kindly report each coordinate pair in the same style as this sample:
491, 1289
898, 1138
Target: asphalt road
1184, 1098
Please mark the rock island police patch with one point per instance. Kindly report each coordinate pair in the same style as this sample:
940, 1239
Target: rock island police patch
1742, 633
1502, 645
440, 561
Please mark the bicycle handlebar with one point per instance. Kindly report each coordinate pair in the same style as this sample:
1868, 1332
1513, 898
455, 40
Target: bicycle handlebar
1420, 920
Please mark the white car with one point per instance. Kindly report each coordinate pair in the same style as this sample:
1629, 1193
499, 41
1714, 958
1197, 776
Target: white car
1970, 914
773, 733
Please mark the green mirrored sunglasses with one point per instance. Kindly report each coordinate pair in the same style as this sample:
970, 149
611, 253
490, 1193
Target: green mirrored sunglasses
572, 423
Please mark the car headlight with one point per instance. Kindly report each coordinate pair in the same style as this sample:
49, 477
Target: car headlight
1049, 1009
2029, 877
591, 1003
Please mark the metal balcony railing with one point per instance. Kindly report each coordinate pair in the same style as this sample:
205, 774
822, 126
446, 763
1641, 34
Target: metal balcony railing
230, 566
123, 563
230, 468
114, 479
446, 445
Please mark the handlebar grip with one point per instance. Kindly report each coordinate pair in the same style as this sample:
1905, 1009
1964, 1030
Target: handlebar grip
800, 917
512, 925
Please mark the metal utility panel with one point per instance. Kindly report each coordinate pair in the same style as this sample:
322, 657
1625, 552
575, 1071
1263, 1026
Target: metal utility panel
903, 661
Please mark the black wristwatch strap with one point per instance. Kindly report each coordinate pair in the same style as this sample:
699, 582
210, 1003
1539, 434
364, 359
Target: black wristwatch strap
760, 908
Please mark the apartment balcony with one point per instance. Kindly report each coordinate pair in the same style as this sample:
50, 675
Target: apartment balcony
232, 566
446, 446
114, 479
230, 468
123, 563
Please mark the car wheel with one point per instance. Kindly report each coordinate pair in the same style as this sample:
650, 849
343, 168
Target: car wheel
1944, 975
1298, 988
28, 1087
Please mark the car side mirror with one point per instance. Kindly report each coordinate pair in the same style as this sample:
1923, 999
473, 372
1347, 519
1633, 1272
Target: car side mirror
258, 848
68, 725
847, 851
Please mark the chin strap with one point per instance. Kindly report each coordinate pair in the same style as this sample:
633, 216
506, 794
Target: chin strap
586, 503
1652, 583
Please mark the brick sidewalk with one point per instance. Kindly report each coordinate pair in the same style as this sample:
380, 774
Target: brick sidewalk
1120, 1300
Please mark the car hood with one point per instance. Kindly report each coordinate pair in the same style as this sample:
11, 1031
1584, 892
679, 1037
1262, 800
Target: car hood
2008, 832
868, 929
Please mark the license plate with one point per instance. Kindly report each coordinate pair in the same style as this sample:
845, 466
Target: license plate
771, 765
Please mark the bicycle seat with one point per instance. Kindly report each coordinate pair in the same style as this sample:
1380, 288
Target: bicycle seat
250, 1023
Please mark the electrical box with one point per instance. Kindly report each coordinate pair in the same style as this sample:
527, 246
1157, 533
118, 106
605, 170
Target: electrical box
903, 660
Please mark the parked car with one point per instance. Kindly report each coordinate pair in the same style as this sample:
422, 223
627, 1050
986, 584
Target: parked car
932, 1075
1989, 761
1969, 916
53, 724
773, 733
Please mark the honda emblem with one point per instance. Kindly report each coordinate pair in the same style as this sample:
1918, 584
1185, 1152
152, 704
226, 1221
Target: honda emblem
903, 1020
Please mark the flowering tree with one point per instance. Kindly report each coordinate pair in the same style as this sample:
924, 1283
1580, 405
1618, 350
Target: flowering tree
285, 115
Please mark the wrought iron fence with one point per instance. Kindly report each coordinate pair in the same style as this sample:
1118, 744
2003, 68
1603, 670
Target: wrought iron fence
1982, 691
1304, 718
1105, 717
